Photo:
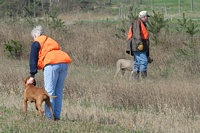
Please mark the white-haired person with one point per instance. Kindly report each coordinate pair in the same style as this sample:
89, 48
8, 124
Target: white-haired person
139, 46
46, 55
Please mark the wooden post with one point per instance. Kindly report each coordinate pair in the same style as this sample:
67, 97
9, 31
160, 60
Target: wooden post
179, 6
166, 10
192, 5
152, 4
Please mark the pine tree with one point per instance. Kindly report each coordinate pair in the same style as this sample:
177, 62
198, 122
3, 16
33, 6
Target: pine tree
155, 24
188, 26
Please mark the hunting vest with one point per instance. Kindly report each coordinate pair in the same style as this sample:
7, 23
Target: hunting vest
50, 52
143, 31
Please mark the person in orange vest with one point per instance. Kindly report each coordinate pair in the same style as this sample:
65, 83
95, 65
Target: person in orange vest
46, 55
138, 46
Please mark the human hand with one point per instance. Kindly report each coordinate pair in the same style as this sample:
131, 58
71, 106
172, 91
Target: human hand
140, 46
30, 81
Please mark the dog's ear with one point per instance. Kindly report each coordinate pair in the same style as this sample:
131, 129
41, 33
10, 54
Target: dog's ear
34, 82
26, 79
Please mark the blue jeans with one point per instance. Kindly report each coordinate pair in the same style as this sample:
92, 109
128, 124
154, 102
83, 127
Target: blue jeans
54, 77
140, 61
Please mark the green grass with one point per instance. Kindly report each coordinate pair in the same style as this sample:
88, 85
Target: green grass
93, 101
171, 6
13, 120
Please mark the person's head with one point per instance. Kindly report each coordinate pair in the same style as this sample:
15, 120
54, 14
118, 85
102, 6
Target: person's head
143, 15
37, 31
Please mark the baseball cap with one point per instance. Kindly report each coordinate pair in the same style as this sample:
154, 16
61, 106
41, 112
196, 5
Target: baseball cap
143, 13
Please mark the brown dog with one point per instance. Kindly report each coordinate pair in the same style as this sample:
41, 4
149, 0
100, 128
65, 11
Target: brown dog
37, 95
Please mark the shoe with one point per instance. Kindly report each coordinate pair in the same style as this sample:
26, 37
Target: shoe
144, 74
47, 119
149, 60
56, 119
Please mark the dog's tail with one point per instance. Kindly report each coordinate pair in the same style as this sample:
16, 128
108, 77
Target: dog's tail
50, 95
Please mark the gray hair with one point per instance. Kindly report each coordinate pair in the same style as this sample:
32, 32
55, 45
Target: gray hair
38, 30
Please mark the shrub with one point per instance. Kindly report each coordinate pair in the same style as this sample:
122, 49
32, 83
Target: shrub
156, 23
13, 48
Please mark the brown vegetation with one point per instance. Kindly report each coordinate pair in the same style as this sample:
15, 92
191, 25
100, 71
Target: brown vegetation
169, 103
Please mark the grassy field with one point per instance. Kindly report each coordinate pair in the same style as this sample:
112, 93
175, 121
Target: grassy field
95, 102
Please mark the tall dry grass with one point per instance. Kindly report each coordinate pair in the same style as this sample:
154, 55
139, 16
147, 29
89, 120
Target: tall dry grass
169, 102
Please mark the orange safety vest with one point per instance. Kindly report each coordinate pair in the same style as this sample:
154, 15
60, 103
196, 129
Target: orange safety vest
50, 52
143, 32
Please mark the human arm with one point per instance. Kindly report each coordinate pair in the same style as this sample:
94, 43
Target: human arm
33, 61
136, 31
35, 48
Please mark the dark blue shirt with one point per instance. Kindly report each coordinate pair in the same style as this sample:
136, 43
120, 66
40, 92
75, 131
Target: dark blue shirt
35, 48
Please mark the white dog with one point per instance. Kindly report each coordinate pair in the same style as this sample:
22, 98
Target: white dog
124, 65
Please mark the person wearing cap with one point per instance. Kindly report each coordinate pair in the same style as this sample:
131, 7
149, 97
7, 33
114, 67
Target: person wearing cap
46, 55
139, 48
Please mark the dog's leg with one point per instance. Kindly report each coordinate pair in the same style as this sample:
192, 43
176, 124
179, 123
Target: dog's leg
123, 72
118, 66
131, 75
52, 113
118, 69
36, 109
50, 107
39, 107
25, 105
